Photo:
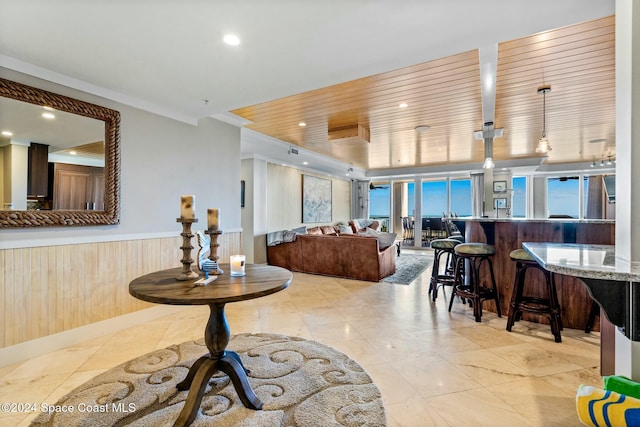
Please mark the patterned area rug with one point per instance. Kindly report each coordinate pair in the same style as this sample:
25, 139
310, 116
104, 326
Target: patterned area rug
409, 266
301, 383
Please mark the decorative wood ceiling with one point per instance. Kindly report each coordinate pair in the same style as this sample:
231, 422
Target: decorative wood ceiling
92, 150
578, 62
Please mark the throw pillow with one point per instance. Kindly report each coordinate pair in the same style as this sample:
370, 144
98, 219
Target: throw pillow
345, 229
300, 230
314, 230
289, 236
360, 224
327, 229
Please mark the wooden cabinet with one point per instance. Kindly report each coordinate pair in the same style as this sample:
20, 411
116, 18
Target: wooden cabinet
78, 187
38, 170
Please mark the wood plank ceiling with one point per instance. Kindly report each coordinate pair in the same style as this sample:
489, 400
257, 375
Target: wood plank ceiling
578, 62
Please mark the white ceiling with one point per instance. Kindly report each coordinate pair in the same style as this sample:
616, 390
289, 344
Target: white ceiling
168, 56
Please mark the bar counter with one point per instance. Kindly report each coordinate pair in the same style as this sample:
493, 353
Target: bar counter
507, 234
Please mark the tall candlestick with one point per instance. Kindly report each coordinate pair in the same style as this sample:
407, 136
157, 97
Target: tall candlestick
187, 207
212, 218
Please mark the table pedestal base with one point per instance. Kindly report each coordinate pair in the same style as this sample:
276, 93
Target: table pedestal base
198, 377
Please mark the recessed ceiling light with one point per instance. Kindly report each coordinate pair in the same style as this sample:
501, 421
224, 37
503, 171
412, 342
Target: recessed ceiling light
422, 128
305, 163
73, 153
403, 105
302, 124
231, 40
48, 116
7, 133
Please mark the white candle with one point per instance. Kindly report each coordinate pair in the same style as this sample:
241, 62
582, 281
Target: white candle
187, 207
212, 218
237, 265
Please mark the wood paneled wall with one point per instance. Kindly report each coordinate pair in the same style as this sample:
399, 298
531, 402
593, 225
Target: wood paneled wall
51, 289
284, 198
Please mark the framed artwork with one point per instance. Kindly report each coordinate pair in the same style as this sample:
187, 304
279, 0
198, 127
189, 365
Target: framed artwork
500, 202
499, 186
316, 199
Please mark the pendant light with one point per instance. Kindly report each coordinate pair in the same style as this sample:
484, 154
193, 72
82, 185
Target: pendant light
543, 144
488, 154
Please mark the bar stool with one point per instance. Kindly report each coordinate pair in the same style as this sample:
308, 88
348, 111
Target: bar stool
476, 254
546, 305
440, 248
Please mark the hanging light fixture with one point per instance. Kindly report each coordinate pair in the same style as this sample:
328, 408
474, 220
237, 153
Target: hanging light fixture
488, 154
543, 143
487, 134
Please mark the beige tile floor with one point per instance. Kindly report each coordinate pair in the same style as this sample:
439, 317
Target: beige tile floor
434, 368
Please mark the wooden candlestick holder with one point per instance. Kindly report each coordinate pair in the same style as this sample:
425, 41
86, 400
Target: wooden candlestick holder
187, 273
213, 251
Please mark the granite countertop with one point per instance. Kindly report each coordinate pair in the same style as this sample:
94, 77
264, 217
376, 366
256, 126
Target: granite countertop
549, 220
589, 261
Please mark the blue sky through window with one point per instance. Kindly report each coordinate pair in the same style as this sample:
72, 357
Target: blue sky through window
519, 201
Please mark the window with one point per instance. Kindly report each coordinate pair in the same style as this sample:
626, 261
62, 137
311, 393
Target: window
563, 197
380, 203
519, 197
434, 198
461, 197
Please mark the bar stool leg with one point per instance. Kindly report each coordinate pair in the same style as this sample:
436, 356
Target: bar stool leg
516, 296
474, 277
458, 279
555, 318
496, 297
556, 303
435, 270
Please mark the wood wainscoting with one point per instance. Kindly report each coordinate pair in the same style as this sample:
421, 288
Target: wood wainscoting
51, 289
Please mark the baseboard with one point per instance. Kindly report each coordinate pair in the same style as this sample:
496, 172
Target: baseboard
26, 350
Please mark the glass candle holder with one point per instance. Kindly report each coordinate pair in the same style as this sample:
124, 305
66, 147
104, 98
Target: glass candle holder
237, 265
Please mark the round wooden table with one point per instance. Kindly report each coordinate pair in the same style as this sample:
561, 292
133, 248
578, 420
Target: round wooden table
162, 287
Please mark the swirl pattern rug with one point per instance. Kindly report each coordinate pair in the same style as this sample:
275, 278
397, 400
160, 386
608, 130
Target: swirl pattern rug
301, 383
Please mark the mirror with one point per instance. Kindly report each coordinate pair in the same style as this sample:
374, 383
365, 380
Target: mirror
106, 121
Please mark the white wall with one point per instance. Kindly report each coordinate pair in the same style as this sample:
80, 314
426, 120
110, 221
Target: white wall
539, 196
160, 160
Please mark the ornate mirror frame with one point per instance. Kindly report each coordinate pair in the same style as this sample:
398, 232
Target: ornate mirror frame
111, 118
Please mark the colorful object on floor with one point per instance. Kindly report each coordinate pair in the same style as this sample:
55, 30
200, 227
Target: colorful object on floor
597, 408
622, 385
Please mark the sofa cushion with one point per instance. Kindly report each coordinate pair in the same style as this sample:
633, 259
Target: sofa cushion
384, 239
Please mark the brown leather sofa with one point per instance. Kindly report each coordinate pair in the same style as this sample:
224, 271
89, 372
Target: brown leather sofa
346, 255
